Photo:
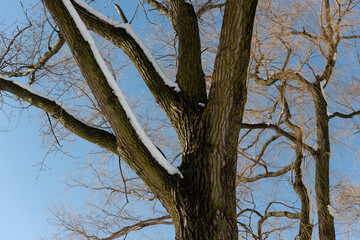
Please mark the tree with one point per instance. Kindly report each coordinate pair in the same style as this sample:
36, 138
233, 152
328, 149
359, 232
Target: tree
296, 109
300, 96
200, 196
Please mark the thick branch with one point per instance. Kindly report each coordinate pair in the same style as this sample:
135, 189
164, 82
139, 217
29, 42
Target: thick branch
304, 193
99, 137
269, 81
281, 214
228, 90
306, 34
283, 75
190, 76
350, 37
322, 163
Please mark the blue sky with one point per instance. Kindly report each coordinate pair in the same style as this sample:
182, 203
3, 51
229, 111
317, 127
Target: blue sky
24, 202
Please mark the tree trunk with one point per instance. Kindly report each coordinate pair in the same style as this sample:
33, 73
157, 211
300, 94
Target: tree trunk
205, 200
322, 162
306, 225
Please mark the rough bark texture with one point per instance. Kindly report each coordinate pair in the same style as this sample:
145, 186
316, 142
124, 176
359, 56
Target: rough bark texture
206, 201
322, 164
306, 227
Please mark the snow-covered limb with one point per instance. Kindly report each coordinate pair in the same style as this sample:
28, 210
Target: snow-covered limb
131, 32
98, 14
58, 111
331, 210
322, 84
335, 56
116, 90
35, 92
147, 52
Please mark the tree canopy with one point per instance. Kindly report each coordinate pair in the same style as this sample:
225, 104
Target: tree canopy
252, 104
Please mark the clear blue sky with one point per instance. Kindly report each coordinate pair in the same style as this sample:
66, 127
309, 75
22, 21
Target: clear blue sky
23, 203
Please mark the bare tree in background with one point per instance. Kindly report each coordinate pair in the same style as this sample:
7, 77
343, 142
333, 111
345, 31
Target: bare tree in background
295, 52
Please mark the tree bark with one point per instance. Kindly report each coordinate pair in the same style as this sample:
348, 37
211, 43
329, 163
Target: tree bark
322, 162
306, 226
206, 198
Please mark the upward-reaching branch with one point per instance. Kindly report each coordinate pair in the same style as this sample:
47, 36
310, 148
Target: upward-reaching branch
228, 90
190, 76
160, 7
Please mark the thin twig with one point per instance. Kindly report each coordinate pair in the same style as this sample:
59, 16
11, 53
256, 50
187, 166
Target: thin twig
52, 130
122, 176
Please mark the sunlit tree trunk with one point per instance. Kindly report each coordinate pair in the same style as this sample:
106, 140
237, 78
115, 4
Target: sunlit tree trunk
322, 164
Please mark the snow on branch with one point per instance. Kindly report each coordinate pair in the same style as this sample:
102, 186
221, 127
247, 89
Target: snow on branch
116, 90
322, 84
58, 111
331, 210
33, 91
132, 33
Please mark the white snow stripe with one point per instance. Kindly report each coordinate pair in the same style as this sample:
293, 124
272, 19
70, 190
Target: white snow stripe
151, 58
33, 91
322, 84
331, 210
131, 32
116, 90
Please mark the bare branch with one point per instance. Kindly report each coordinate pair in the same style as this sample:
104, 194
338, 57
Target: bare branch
208, 7
121, 13
139, 226
97, 136
342, 115
160, 7
280, 131
41, 62
270, 174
